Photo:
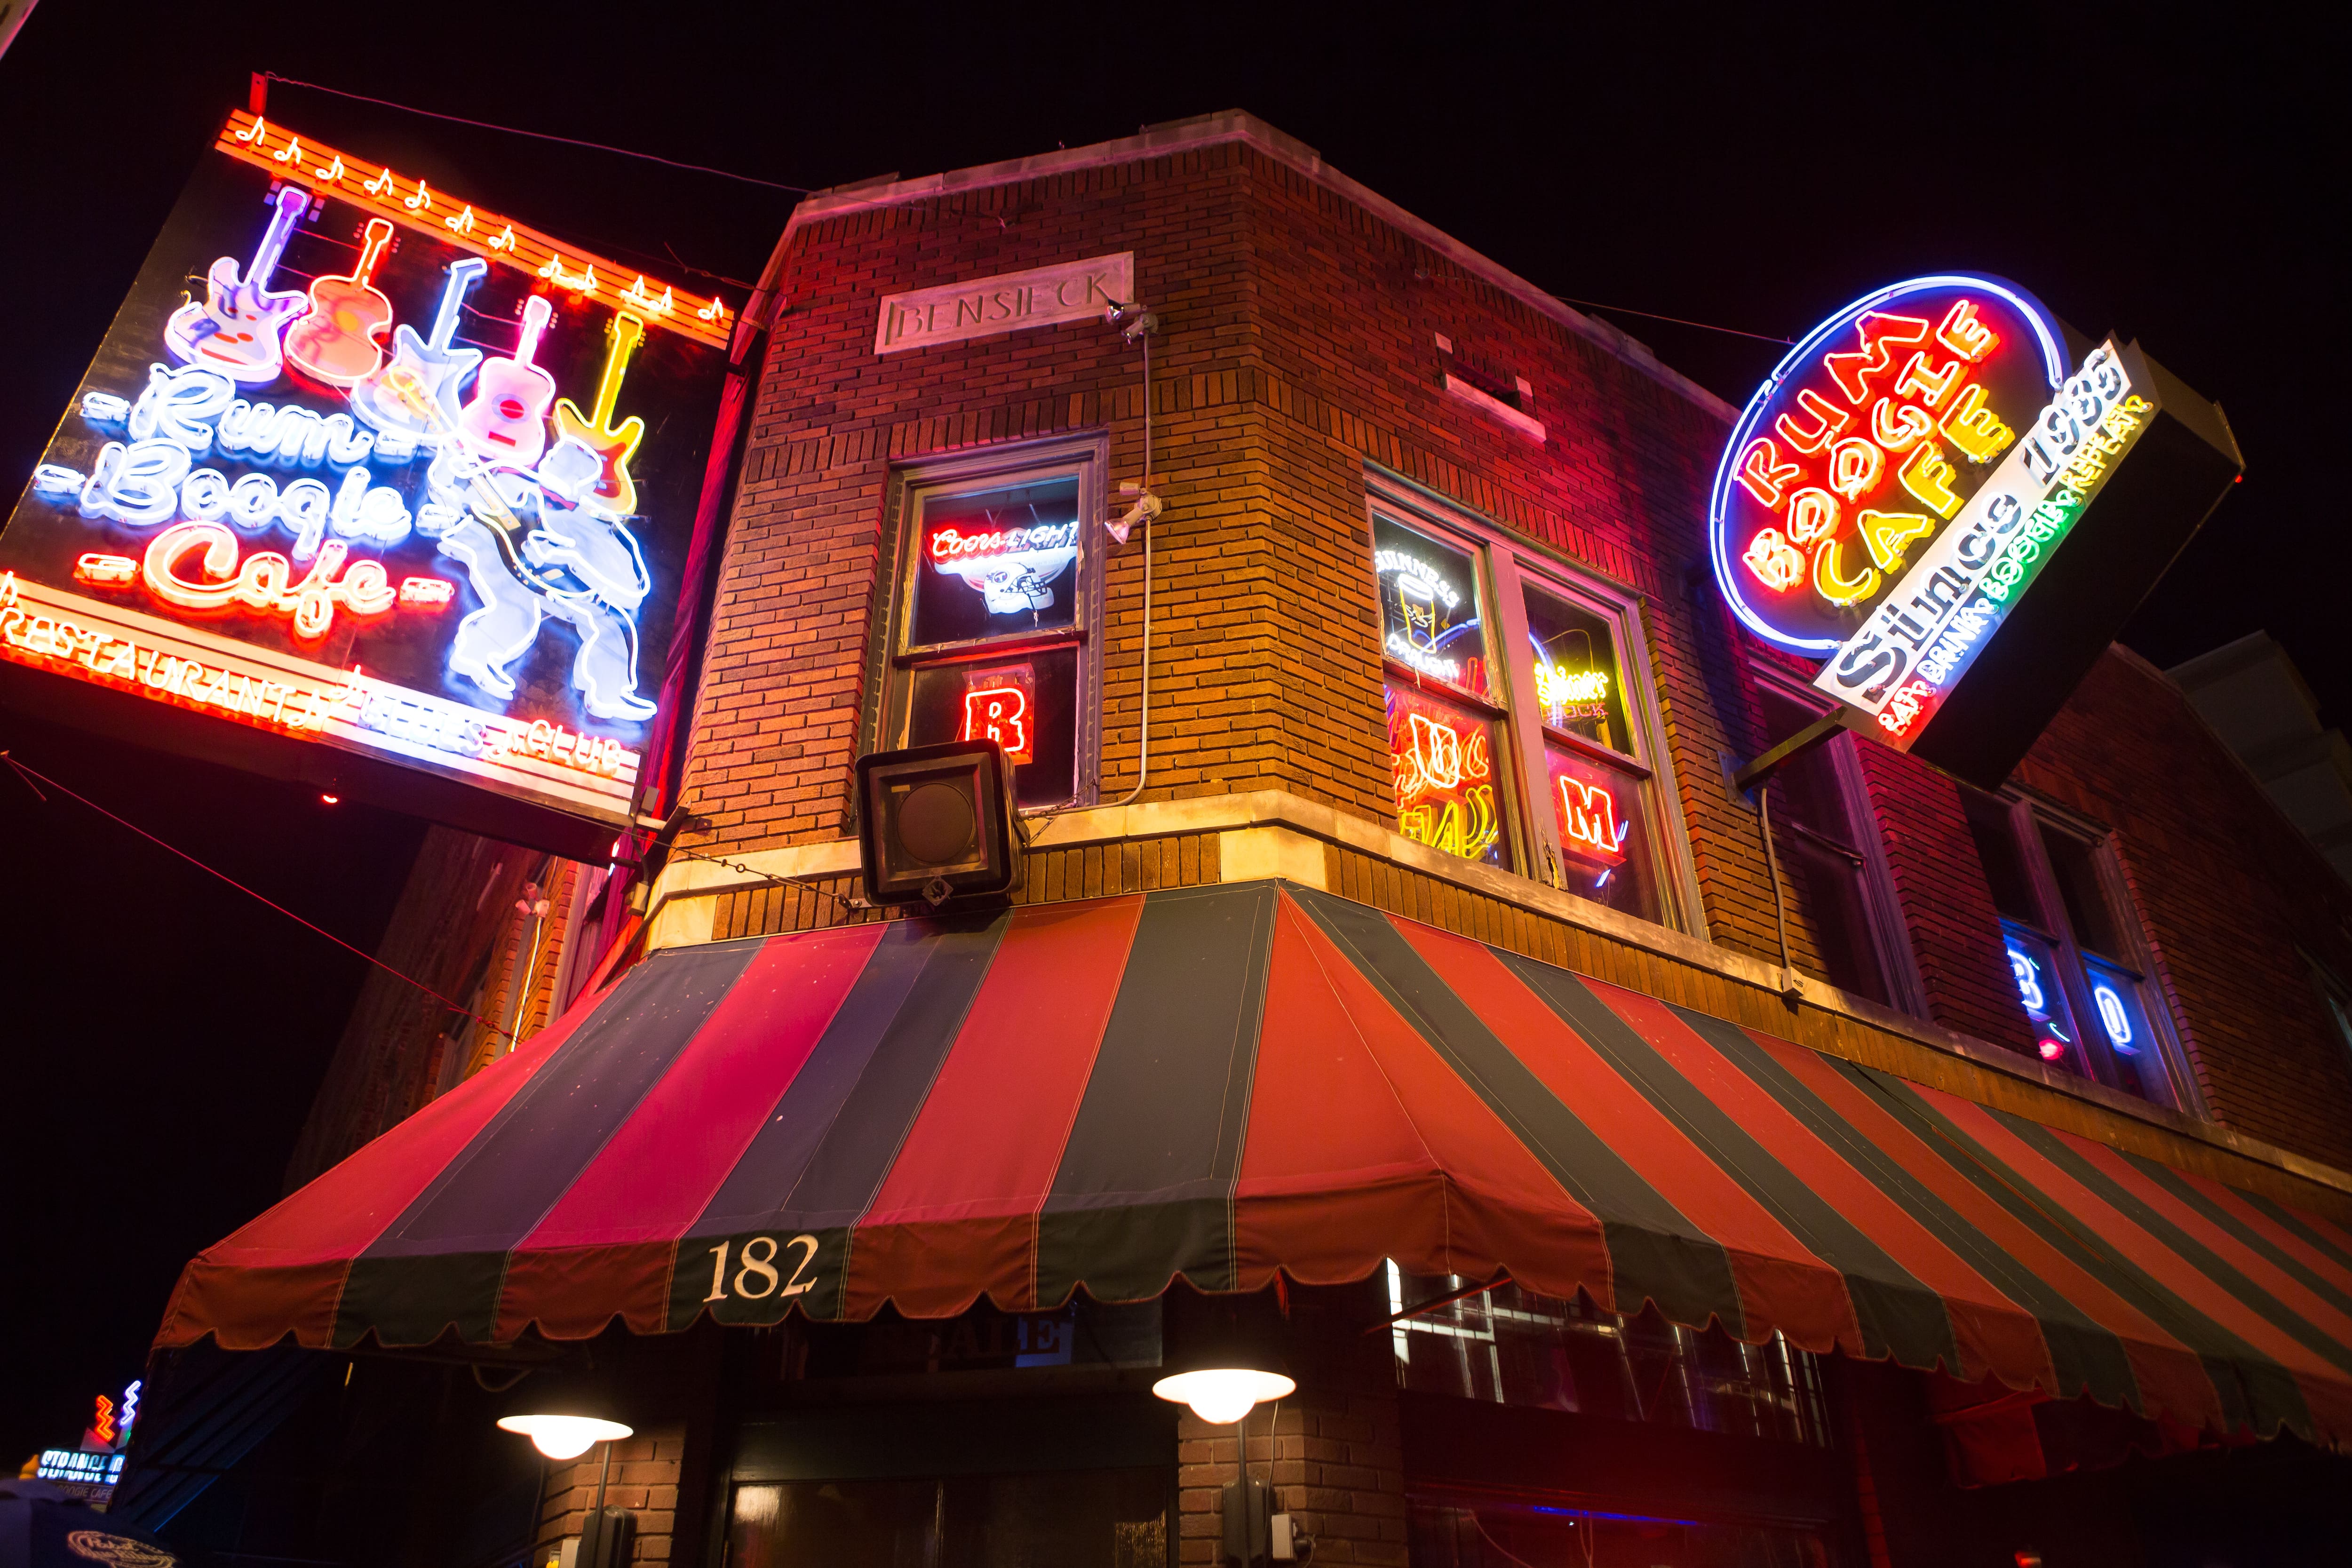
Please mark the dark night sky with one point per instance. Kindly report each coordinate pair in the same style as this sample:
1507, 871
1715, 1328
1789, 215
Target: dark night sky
165, 1035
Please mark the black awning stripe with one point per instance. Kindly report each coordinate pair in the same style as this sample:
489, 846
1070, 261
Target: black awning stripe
2203, 1259
814, 1164
1897, 1313
1166, 1110
2288, 1220
443, 1261
2310, 1279
2083, 1356
1655, 1252
2253, 1389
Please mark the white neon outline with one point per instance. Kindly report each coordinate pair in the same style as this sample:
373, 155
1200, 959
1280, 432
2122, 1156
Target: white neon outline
2054, 359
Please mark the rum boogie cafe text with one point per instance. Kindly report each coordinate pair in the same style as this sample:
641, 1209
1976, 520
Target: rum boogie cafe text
1877, 504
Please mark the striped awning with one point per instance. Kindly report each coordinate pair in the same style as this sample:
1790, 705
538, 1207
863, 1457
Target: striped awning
1224, 1082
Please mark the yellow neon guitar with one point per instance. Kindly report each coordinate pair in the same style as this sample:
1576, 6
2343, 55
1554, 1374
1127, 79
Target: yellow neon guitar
615, 493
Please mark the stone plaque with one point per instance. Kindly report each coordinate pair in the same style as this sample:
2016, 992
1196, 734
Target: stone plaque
951, 312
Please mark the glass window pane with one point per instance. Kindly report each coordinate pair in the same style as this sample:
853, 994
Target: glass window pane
1444, 759
1430, 613
2044, 995
1444, 1530
2123, 1019
2076, 865
995, 563
1604, 833
1028, 705
1579, 685
2004, 868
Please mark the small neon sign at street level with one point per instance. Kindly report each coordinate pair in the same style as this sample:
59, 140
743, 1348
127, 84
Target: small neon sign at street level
1902, 477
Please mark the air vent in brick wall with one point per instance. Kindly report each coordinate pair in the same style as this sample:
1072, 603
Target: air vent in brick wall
1502, 385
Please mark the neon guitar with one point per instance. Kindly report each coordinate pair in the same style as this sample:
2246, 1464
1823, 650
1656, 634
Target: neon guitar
235, 329
506, 419
429, 362
336, 343
615, 493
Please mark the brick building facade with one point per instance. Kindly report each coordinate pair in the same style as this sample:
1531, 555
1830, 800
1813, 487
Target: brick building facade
1325, 362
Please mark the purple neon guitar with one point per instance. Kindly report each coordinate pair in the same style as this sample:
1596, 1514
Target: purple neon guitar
236, 329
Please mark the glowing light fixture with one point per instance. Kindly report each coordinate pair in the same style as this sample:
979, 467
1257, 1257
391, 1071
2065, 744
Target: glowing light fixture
564, 1436
1228, 1355
1223, 1395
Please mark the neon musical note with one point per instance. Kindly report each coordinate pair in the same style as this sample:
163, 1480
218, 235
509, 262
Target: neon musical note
382, 186
256, 133
333, 176
421, 200
582, 282
462, 223
714, 311
290, 154
504, 239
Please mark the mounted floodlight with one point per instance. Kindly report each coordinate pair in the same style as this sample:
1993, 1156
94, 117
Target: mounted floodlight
936, 823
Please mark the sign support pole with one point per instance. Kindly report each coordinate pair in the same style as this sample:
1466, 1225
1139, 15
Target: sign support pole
1750, 775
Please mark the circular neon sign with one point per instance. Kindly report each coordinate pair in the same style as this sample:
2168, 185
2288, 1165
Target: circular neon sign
1864, 441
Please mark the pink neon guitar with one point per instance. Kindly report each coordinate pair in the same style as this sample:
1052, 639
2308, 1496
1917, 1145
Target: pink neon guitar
505, 418
336, 343
235, 329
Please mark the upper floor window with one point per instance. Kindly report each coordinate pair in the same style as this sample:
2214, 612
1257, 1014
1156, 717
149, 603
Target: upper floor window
1827, 838
992, 622
2075, 948
1520, 728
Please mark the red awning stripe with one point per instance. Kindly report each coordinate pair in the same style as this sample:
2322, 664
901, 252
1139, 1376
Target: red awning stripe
1227, 1083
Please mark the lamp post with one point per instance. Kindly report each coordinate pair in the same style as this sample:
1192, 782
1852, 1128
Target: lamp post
1227, 1361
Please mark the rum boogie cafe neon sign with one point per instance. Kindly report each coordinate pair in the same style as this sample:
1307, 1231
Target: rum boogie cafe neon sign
362, 466
1908, 472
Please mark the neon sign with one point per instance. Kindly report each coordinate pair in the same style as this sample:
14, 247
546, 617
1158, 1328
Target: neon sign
1588, 822
1895, 482
1011, 568
252, 140
277, 492
1419, 604
2113, 1016
1444, 777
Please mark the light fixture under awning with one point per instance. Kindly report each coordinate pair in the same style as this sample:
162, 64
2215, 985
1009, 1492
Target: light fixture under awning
1224, 1082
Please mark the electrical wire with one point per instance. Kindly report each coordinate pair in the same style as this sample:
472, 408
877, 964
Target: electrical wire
1678, 321
1143, 719
29, 774
539, 135
1789, 985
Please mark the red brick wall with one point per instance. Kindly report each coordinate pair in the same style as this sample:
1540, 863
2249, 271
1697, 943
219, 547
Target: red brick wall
2229, 890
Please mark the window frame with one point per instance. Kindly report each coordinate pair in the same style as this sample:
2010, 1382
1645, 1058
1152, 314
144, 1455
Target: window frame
1890, 932
2028, 816
894, 657
1506, 563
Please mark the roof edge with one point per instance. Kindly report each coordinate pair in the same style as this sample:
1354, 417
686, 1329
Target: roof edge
1207, 131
